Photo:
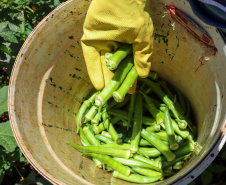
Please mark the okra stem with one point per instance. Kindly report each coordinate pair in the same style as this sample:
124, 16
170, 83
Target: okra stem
107, 56
183, 133
91, 113
126, 84
115, 82
119, 55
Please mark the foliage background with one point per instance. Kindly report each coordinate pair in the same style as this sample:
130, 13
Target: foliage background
17, 19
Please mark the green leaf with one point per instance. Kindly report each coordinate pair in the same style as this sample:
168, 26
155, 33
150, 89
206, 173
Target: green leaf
6, 49
3, 26
57, 3
14, 156
9, 36
4, 99
13, 27
7, 165
206, 177
7, 139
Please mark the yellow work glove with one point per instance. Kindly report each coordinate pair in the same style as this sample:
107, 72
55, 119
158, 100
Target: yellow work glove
109, 23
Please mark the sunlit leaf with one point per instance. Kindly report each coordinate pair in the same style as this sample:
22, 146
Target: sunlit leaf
7, 139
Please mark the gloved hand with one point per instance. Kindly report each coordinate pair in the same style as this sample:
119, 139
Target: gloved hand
109, 23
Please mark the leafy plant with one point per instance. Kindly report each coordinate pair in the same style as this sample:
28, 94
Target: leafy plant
17, 20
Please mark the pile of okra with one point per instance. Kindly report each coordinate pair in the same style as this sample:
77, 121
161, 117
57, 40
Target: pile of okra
141, 137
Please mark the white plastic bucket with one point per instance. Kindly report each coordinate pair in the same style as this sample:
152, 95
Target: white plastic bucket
49, 81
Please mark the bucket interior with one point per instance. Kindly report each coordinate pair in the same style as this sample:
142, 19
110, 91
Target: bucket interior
50, 81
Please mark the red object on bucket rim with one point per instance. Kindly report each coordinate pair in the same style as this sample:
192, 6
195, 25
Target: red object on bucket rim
190, 25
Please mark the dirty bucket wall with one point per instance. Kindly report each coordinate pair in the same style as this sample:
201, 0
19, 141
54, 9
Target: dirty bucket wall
50, 81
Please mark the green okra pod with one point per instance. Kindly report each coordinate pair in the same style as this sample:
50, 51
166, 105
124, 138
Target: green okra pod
105, 133
183, 133
112, 131
91, 113
117, 105
156, 142
188, 148
142, 142
96, 161
151, 152
97, 117
107, 56
158, 91
168, 91
119, 113
131, 107
105, 150
181, 98
188, 109
146, 171
156, 113
164, 137
131, 77
104, 138
83, 136
111, 162
137, 178
137, 123
170, 130
178, 165
154, 128
86, 105
153, 75
118, 56
120, 105
115, 82
90, 136
157, 164
166, 164
149, 121
136, 163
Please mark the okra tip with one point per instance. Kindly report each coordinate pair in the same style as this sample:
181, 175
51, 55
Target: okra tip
182, 124
99, 101
174, 146
117, 96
